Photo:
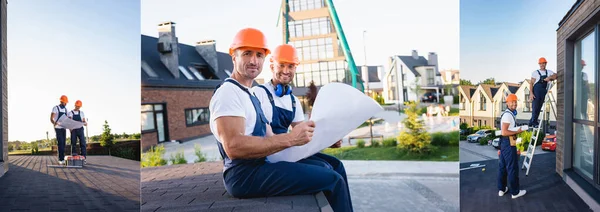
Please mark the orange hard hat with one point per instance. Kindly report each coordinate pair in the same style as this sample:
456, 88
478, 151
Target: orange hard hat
542, 60
64, 99
78, 103
583, 62
511, 97
285, 53
249, 37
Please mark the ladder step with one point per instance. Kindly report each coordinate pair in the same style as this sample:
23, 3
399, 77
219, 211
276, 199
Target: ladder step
526, 165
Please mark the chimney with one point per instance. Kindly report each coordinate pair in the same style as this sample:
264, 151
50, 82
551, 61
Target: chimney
432, 59
208, 50
415, 55
168, 47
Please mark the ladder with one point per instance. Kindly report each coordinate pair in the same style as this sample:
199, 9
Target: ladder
548, 105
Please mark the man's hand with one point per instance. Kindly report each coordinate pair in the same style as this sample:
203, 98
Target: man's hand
337, 144
547, 79
519, 131
531, 96
302, 133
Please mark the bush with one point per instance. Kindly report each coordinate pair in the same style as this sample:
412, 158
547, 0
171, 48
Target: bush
456, 99
199, 154
375, 143
154, 157
178, 158
416, 139
484, 141
389, 142
124, 152
439, 139
379, 99
463, 137
464, 126
360, 143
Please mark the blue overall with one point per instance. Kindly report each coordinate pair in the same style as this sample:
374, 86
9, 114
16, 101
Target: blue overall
248, 178
540, 88
508, 164
61, 134
78, 134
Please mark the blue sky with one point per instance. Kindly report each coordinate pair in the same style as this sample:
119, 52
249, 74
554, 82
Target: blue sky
83, 49
393, 27
505, 39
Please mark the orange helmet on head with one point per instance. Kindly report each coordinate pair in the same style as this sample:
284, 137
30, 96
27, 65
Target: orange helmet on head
78, 103
583, 62
285, 53
542, 60
511, 97
249, 37
64, 99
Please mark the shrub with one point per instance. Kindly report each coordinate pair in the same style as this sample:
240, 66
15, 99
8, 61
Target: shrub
199, 154
439, 139
178, 158
154, 157
389, 142
375, 143
463, 137
464, 126
456, 99
484, 141
360, 143
415, 139
124, 152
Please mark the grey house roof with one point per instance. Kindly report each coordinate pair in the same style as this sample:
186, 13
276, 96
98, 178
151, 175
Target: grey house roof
372, 70
411, 63
188, 56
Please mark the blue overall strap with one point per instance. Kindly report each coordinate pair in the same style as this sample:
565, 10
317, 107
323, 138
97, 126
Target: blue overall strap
513, 115
268, 94
293, 104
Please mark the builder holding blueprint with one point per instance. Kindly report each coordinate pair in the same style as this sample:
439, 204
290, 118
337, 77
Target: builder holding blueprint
60, 112
245, 139
508, 175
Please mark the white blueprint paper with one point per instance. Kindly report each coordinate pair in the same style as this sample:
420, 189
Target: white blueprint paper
68, 123
338, 109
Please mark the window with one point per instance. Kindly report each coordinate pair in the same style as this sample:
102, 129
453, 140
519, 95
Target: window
504, 106
148, 69
583, 149
584, 79
196, 116
203, 72
310, 27
482, 101
152, 116
300, 5
430, 77
462, 102
186, 73
321, 73
527, 106
228, 72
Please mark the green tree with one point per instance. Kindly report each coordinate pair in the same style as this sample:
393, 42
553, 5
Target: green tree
106, 139
489, 81
154, 157
11, 147
416, 88
465, 82
379, 99
416, 139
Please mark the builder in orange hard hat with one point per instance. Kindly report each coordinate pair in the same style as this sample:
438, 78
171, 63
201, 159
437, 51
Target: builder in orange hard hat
61, 133
585, 98
538, 89
245, 138
508, 175
77, 115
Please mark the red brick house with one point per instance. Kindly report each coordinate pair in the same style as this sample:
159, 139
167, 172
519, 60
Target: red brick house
577, 155
177, 83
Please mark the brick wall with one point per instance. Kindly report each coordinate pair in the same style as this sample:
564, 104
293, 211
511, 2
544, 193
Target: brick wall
177, 100
574, 23
149, 139
4, 85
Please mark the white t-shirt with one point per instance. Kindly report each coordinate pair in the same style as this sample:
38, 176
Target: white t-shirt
73, 112
230, 100
537, 77
55, 110
508, 118
284, 102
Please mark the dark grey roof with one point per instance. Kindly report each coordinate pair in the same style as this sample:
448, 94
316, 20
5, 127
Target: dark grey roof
570, 12
187, 56
513, 89
372, 73
411, 63
494, 91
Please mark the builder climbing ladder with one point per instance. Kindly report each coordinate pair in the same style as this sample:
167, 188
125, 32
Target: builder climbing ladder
548, 105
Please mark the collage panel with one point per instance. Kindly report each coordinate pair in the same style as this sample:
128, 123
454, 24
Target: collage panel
70, 124
230, 99
528, 98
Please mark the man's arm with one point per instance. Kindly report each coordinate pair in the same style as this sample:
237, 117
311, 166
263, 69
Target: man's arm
52, 116
240, 146
531, 82
506, 132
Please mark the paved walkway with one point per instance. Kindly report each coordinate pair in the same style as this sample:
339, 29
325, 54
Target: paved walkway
473, 152
546, 191
105, 184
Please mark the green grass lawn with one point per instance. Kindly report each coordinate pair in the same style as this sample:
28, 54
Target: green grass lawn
20, 152
390, 153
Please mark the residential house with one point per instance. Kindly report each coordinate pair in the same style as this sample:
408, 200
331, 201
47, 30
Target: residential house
451, 78
578, 142
178, 81
405, 72
465, 103
371, 76
4, 94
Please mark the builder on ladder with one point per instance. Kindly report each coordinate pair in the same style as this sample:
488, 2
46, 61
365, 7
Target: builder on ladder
508, 173
77, 115
537, 93
61, 133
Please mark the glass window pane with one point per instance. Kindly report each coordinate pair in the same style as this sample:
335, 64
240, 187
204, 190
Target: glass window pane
329, 54
146, 108
147, 121
315, 66
313, 42
305, 43
158, 107
321, 41
331, 65
325, 77
160, 126
583, 149
584, 79
323, 66
307, 78
328, 40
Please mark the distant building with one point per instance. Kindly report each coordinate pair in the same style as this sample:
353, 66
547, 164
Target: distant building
371, 76
405, 71
451, 78
578, 143
178, 81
